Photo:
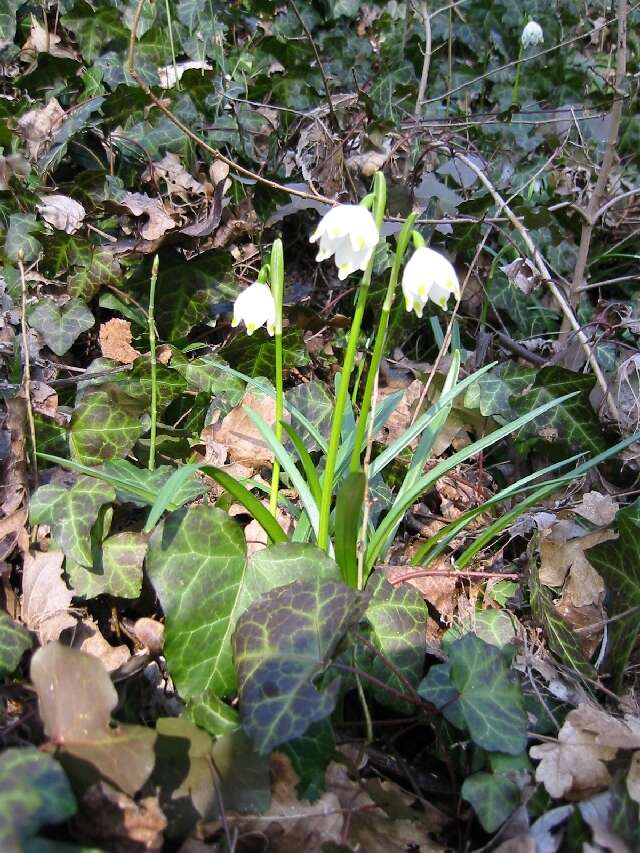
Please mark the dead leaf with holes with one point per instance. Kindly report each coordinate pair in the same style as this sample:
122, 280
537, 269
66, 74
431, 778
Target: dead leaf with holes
62, 212
37, 127
155, 220
115, 341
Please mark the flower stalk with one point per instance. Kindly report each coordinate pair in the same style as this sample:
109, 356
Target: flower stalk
276, 275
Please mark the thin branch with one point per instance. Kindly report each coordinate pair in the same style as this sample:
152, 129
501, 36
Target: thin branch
424, 77
325, 79
454, 573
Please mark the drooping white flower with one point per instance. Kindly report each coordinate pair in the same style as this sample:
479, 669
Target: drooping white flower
532, 35
428, 275
255, 306
349, 232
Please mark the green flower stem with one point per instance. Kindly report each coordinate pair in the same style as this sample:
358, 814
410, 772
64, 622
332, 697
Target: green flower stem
379, 205
516, 82
276, 272
380, 340
154, 381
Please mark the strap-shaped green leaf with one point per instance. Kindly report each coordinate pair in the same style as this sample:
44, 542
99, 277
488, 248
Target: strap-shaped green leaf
348, 512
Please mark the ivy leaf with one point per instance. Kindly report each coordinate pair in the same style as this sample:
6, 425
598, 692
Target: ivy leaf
19, 238
574, 422
89, 748
316, 404
116, 569
34, 792
284, 563
618, 561
309, 756
104, 425
255, 355
481, 692
71, 513
140, 487
60, 326
205, 374
398, 617
101, 269
494, 798
14, 641
95, 28
214, 716
282, 643
196, 563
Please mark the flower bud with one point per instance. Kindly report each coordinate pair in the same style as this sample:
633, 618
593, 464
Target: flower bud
428, 275
532, 35
255, 306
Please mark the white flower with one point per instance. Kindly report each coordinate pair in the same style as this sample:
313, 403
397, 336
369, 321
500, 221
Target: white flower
349, 232
532, 35
255, 306
428, 275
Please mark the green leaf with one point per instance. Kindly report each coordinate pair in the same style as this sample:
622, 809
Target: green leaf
34, 792
196, 562
496, 627
205, 374
284, 563
19, 238
482, 693
116, 569
255, 355
282, 644
494, 798
214, 716
102, 269
309, 756
618, 562
61, 326
316, 404
398, 618
574, 422
71, 513
104, 425
349, 502
95, 28
14, 642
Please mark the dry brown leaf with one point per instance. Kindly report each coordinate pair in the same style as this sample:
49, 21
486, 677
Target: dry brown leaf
440, 592
597, 508
62, 212
13, 164
573, 767
157, 221
238, 433
11, 527
178, 180
44, 400
633, 777
40, 41
45, 597
562, 550
37, 126
609, 730
150, 634
111, 818
88, 638
586, 621
522, 274
115, 341
518, 844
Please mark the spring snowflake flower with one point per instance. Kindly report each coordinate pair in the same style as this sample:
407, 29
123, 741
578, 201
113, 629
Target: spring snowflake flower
255, 306
532, 35
349, 232
428, 275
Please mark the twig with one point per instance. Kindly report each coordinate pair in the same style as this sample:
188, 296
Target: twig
518, 349
453, 573
214, 152
154, 379
544, 273
426, 17
26, 376
325, 79
595, 208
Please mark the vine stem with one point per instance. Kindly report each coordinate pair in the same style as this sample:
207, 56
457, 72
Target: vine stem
154, 364
379, 204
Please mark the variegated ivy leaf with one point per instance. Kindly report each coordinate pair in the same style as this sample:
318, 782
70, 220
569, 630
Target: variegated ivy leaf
71, 513
105, 425
14, 641
60, 326
116, 569
282, 645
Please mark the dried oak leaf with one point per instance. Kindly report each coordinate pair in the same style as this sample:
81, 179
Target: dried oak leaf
157, 220
115, 341
62, 212
37, 126
438, 591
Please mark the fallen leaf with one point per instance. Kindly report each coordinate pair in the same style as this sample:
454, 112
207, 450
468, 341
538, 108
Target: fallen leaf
41, 41
609, 730
45, 597
562, 550
440, 592
157, 221
150, 634
633, 777
88, 638
522, 274
597, 508
62, 212
113, 819
573, 767
13, 164
176, 177
237, 432
37, 126
115, 341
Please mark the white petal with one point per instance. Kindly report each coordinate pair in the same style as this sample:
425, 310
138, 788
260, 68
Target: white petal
255, 306
349, 232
